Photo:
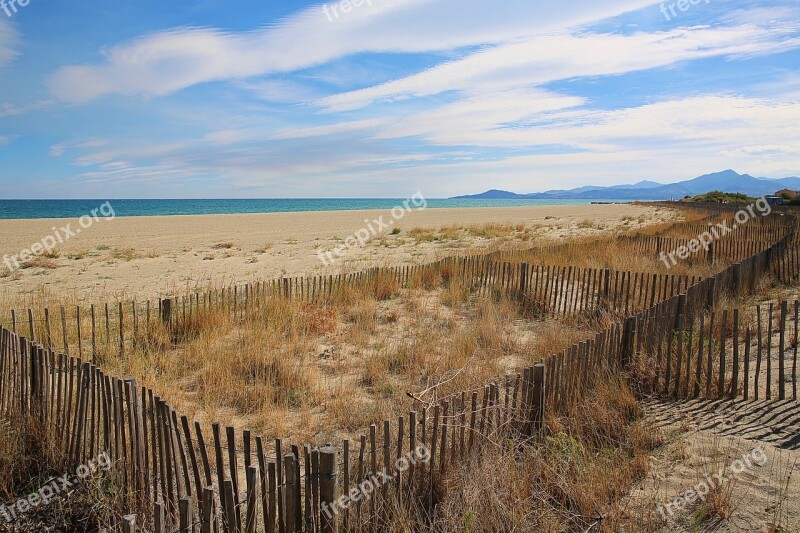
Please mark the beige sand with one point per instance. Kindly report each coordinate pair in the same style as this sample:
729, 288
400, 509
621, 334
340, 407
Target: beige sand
150, 256
704, 436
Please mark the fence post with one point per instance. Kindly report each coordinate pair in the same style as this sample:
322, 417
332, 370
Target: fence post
327, 489
31, 328
208, 504
523, 280
158, 517
289, 493
538, 398
679, 321
737, 278
166, 311
628, 338
185, 524
781, 352
251, 474
229, 525
129, 523
712, 286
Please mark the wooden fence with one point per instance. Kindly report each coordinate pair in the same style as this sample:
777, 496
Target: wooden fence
177, 479
552, 290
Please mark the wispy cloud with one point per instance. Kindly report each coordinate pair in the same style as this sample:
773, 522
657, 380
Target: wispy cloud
544, 59
687, 135
448, 96
57, 150
166, 62
6, 139
8, 42
8, 109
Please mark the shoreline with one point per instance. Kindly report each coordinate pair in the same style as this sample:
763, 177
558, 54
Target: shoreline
138, 217
381, 204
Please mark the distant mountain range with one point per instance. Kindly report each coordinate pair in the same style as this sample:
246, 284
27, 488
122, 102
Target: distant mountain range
726, 181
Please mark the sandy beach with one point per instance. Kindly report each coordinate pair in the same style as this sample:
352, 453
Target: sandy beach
150, 256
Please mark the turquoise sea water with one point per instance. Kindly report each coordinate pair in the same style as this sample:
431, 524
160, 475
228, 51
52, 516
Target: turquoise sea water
10, 209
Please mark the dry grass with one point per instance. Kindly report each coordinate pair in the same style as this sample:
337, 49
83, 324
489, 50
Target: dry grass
78, 255
41, 262
572, 481
489, 231
12, 456
293, 366
286, 368
289, 368
27, 464
124, 254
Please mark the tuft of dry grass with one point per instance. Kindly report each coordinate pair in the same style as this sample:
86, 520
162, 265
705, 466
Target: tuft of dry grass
423, 235
41, 262
77, 255
124, 254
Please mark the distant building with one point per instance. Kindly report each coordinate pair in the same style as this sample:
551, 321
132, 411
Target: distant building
774, 200
786, 193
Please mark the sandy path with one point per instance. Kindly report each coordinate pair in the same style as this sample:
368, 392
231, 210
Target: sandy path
148, 256
703, 437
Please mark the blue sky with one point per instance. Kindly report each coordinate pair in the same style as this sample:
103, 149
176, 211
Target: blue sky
212, 98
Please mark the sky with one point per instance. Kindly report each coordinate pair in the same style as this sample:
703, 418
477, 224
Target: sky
384, 98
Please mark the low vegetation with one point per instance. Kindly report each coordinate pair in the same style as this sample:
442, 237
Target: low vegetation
722, 198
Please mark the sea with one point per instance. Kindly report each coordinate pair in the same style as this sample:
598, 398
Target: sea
25, 209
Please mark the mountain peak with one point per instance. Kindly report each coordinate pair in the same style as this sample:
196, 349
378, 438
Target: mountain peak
728, 181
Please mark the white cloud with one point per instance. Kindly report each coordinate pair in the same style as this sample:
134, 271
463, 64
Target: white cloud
477, 120
332, 129
8, 39
8, 109
716, 120
496, 101
666, 141
765, 150
282, 91
57, 150
234, 136
545, 59
7, 139
169, 61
